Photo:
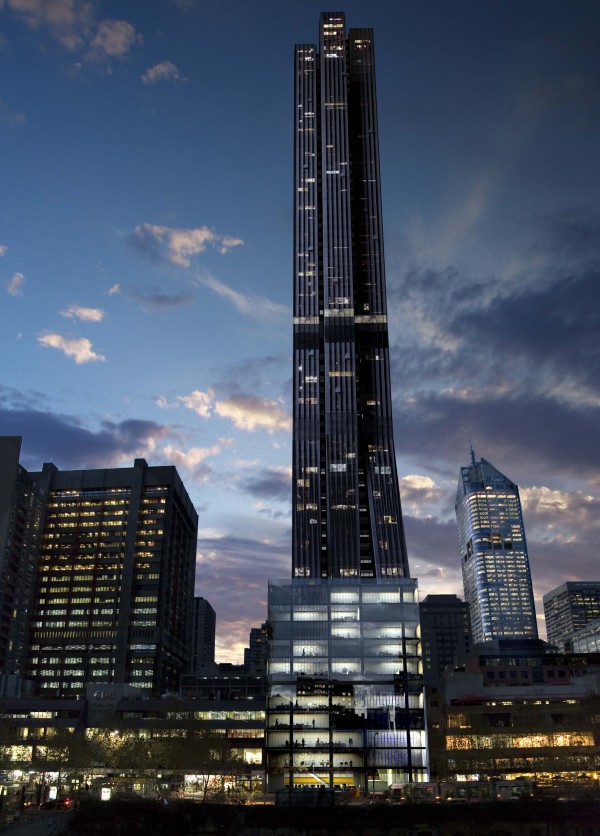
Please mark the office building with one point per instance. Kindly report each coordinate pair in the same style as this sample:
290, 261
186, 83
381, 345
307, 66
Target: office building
115, 581
256, 655
21, 514
345, 706
445, 634
494, 559
347, 520
203, 637
570, 607
585, 640
517, 729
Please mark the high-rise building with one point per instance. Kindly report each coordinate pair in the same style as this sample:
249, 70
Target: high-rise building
347, 519
345, 706
445, 634
494, 559
569, 607
256, 655
115, 580
203, 637
21, 514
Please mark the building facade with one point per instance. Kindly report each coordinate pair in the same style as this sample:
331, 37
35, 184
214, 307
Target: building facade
347, 519
570, 607
586, 640
115, 580
256, 655
494, 559
203, 637
541, 728
445, 634
21, 515
346, 686
121, 738
345, 707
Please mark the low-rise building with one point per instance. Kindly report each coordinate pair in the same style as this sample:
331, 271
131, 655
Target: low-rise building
539, 727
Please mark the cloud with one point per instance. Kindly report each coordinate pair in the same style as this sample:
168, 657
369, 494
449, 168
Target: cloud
74, 25
69, 21
113, 39
269, 483
178, 246
247, 412
165, 71
158, 298
200, 402
63, 439
15, 284
10, 117
112, 291
3, 250
84, 314
250, 305
80, 349
193, 459
560, 516
232, 573
508, 430
250, 413
418, 492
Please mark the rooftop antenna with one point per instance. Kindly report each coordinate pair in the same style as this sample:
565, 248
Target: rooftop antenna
472, 453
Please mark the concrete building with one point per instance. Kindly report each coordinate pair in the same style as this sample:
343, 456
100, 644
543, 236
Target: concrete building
21, 515
494, 557
445, 634
203, 637
586, 640
570, 607
256, 655
510, 714
115, 580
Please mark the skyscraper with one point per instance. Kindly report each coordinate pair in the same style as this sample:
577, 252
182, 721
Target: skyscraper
115, 580
569, 607
347, 519
445, 634
203, 637
494, 559
21, 514
345, 706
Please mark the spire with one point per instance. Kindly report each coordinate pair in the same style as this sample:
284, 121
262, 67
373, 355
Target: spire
473, 463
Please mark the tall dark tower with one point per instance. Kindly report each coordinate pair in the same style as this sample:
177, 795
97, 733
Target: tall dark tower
347, 518
345, 705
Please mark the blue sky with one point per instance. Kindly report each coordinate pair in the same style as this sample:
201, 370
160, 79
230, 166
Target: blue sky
146, 252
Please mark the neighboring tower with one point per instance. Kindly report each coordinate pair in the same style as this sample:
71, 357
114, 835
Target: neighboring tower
115, 581
256, 655
495, 565
347, 519
21, 512
203, 637
445, 634
569, 607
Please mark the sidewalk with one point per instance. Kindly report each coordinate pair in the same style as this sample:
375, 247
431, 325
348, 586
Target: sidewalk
39, 823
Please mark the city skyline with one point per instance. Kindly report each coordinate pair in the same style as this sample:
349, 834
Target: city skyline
145, 247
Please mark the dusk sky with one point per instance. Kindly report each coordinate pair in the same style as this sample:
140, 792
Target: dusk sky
146, 263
